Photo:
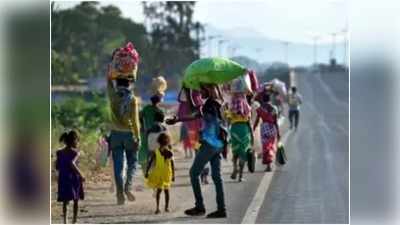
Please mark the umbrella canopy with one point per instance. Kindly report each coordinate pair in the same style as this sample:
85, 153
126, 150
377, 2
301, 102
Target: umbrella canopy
211, 71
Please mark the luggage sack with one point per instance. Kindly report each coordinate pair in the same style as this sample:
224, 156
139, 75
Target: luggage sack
251, 161
281, 158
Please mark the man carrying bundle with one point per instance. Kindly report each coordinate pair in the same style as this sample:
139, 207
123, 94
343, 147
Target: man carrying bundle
125, 128
205, 75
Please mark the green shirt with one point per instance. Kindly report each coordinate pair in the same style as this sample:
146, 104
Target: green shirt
147, 116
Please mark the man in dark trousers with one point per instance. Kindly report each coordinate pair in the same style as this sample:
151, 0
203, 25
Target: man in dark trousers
294, 102
212, 141
125, 134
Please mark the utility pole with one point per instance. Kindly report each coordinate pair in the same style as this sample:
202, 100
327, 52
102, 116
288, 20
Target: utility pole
333, 52
345, 38
231, 51
286, 51
220, 43
210, 38
259, 52
198, 29
315, 50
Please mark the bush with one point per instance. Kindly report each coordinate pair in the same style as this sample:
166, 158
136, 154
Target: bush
78, 113
88, 118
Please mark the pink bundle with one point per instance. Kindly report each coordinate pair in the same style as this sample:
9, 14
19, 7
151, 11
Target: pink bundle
125, 61
253, 80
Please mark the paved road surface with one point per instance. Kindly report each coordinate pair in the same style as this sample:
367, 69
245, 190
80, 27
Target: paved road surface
312, 188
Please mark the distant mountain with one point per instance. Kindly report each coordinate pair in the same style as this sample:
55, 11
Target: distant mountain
253, 44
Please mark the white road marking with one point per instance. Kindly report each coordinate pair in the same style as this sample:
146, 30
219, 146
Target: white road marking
255, 205
329, 92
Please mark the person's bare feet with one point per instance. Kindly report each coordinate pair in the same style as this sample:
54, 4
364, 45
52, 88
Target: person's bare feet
157, 211
166, 210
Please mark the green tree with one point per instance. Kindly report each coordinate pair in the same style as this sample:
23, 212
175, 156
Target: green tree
83, 38
174, 35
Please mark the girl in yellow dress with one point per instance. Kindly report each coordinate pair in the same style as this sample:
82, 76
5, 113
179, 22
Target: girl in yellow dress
160, 172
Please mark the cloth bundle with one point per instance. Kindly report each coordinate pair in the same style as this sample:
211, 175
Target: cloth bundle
241, 84
124, 62
159, 85
245, 84
214, 70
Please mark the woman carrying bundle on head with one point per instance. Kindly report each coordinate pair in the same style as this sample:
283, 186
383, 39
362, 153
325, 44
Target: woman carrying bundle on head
189, 102
269, 131
239, 116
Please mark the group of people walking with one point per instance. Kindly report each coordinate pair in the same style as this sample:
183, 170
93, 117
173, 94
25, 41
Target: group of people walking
141, 136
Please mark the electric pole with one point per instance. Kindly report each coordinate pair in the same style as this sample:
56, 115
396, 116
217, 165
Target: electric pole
286, 51
333, 52
220, 43
259, 53
315, 50
210, 38
344, 32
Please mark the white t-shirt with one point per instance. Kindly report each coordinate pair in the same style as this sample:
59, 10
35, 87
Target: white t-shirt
294, 101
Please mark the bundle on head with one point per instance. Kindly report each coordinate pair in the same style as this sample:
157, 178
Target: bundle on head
245, 84
124, 62
159, 85
253, 80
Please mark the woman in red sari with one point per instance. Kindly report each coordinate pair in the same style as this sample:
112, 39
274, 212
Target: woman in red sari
269, 130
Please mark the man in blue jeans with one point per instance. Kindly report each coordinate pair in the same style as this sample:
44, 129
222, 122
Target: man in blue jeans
124, 136
212, 140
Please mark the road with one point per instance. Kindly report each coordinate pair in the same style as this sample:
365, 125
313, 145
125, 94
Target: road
311, 188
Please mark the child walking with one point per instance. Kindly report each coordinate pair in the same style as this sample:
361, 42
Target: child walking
70, 178
155, 131
160, 170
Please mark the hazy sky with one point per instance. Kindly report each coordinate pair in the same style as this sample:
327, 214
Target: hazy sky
294, 21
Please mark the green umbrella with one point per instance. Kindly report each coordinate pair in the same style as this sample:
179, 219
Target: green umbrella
211, 71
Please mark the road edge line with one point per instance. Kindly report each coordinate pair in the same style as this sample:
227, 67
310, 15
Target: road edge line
251, 214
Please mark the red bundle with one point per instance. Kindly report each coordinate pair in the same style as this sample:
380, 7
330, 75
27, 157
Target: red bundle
125, 60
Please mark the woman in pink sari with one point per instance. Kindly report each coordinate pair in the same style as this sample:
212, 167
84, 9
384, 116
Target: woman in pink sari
189, 101
269, 130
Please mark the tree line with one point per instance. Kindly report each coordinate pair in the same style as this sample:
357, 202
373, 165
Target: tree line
84, 36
